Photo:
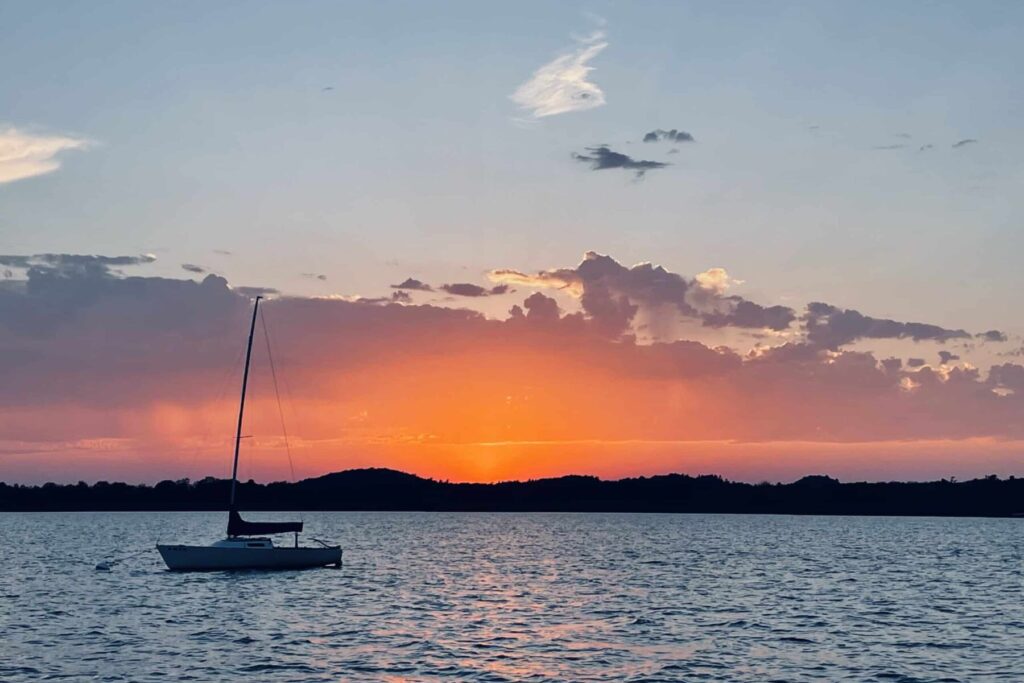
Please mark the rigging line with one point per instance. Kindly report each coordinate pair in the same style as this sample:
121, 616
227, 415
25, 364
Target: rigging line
280, 410
226, 375
287, 384
288, 394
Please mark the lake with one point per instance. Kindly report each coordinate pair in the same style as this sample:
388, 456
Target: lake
522, 597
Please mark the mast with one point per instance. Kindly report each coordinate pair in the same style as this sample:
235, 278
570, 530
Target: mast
241, 403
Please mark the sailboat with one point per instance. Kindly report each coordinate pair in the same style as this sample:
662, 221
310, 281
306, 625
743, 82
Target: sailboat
247, 545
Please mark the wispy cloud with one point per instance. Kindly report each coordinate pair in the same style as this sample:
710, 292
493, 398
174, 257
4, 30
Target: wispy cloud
25, 155
561, 85
964, 142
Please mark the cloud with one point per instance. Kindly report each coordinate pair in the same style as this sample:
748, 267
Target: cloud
611, 294
716, 279
540, 309
67, 264
673, 135
413, 284
315, 276
192, 268
87, 353
25, 155
964, 143
747, 314
992, 336
945, 357
830, 327
923, 148
471, 290
915, 362
602, 158
1008, 376
554, 279
561, 85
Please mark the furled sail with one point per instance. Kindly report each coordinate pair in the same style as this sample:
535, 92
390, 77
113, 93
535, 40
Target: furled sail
239, 527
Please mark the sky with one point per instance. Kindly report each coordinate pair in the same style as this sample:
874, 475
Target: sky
512, 240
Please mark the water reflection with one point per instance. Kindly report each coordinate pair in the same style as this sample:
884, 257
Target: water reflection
524, 597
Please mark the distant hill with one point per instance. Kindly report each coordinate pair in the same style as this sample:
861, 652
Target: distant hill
383, 489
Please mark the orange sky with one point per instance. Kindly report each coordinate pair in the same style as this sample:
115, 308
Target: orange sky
136, 381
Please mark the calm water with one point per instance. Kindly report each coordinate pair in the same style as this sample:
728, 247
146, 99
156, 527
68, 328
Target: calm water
500, 597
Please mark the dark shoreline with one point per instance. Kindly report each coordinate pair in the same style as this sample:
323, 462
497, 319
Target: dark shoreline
387, 490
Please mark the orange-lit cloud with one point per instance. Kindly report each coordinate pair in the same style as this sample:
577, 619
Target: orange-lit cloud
107, 374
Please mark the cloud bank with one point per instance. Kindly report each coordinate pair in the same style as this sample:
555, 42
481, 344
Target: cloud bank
90, 355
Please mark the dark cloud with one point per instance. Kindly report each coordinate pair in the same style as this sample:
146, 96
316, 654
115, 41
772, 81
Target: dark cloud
992, 336
673, 135
747, 314
73, 263
315, 276
471, 290
674, 150
830, 327
612, 294
193, 268
1007, 376
540, 310
923, 148
945, 357
79, 342
413, 284
222, 252
602, 158
915, 362
401, 297
964, 142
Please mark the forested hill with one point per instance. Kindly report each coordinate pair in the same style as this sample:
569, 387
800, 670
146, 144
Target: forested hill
382, 489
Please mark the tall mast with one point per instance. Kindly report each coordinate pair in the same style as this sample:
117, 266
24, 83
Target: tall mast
241, 404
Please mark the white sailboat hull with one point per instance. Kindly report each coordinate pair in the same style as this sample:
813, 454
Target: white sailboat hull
219, 558
242, 549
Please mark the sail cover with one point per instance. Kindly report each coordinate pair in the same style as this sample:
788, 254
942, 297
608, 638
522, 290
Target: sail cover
239, 527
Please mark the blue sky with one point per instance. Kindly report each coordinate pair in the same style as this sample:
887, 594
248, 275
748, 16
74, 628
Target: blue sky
210, 128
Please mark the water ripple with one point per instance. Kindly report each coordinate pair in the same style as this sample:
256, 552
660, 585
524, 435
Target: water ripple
523, 597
